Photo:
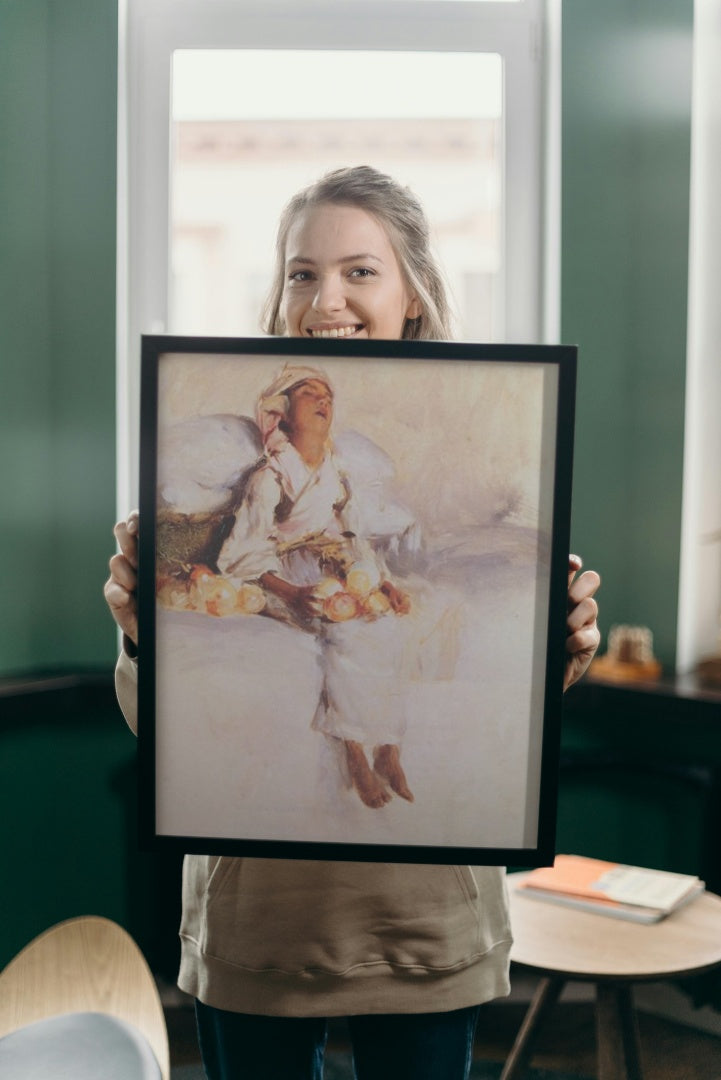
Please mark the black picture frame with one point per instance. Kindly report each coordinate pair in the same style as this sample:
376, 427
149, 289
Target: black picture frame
458, 460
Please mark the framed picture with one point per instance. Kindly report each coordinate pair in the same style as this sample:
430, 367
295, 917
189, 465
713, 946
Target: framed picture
352, 597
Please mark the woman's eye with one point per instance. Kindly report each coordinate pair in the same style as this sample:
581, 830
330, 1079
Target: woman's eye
362, 272
300, 276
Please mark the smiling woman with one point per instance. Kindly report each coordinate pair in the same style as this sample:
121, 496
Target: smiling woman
353, 259
336, 293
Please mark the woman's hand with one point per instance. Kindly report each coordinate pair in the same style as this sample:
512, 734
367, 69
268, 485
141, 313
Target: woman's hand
121, 587
583, 636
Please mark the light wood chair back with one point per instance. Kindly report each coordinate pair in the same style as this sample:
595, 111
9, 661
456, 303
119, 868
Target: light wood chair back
88, 964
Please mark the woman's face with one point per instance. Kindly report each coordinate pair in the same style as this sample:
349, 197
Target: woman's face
342, 277
310, 409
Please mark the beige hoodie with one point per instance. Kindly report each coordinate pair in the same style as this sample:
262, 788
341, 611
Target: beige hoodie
286, 937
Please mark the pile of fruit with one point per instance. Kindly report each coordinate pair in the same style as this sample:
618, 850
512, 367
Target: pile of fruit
356, 595
210, 594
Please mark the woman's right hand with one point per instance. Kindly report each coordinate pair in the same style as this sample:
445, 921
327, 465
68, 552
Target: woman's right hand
121, 587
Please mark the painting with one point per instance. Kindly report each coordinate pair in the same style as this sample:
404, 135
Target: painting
352, 597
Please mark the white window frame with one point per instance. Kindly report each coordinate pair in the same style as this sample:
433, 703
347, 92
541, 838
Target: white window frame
699, 597
526, 34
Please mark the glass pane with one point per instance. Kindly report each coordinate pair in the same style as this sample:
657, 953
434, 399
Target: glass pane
250, 128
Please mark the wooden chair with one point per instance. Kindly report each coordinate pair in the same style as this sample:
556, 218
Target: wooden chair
90, 971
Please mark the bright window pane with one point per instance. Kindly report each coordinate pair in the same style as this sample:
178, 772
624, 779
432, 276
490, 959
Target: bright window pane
252, 127
454, 1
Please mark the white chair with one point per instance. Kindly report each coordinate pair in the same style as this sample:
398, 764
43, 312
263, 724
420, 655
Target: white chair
80, 1002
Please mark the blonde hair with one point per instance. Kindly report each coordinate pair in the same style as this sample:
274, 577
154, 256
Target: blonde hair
403, 217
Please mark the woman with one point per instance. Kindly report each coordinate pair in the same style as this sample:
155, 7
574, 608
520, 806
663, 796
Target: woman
296, 531
271, 948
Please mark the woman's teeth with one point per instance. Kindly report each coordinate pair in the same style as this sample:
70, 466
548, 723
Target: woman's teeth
337, 331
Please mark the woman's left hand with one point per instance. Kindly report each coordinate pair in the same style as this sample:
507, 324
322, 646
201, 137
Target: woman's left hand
583, 636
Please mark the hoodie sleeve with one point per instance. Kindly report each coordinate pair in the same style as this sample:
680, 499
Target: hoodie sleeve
126, 688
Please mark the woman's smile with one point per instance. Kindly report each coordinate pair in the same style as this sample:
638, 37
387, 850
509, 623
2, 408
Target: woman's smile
334, 331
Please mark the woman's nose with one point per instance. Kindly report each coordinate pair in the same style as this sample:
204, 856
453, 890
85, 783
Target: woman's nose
329, 296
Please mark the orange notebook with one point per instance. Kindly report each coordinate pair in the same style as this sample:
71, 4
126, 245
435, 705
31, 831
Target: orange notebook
632, 892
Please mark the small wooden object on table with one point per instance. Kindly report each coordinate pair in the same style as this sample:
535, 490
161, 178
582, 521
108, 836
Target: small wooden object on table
562, 944
629, 658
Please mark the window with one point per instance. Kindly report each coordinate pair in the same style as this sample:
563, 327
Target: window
235, 161
215, 136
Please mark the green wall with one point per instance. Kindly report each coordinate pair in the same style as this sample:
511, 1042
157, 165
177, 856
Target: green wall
58, 72
625, 201
67, 761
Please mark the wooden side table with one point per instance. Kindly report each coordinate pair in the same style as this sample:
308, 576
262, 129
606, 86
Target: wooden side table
563, 944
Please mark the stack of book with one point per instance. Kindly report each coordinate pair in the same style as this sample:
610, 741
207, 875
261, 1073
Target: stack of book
608, 888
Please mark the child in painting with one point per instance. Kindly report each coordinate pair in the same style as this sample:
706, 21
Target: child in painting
270, 947
297, 535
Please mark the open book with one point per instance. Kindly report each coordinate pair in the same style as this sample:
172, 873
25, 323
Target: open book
608, 888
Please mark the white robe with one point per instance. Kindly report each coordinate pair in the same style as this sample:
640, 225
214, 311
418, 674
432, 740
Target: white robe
362, 697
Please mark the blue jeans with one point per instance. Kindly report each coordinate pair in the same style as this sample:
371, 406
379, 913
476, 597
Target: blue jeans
414, 1046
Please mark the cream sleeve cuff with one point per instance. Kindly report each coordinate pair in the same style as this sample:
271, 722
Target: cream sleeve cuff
126, 687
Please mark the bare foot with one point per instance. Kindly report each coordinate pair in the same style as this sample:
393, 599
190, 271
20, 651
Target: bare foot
369, 787
387, 763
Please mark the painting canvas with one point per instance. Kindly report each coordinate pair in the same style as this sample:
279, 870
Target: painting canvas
353, 572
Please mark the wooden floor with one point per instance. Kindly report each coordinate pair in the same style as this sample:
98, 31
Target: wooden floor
567, 1042
669, 1051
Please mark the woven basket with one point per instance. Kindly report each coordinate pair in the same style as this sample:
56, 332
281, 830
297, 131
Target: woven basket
186, 539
